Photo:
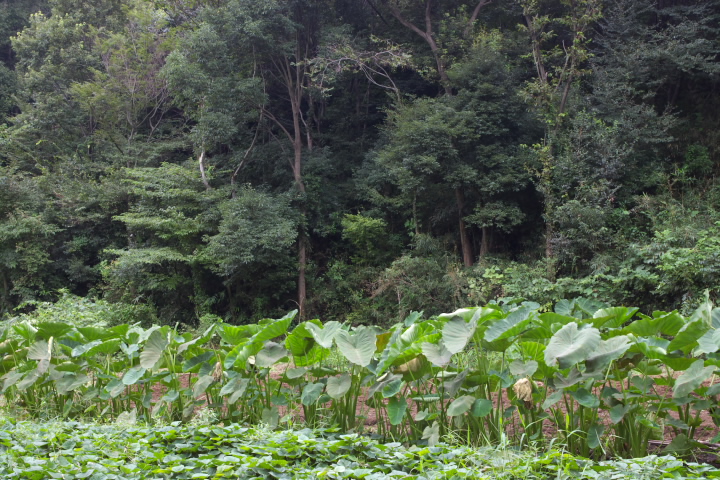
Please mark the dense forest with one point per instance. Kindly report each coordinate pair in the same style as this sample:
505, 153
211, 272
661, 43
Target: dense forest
357, 159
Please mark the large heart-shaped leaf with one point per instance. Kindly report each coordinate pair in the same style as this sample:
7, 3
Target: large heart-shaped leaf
133, 375
326, 334
270, 355
70, 382
396, 410
607, 351
338, 386
460, 405
691, 379
311, 393
358, 347
512, 325
154, 349
235, 387
437, 353
571, 345
456, 333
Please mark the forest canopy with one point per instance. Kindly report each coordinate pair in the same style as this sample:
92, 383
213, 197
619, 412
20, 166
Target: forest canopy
358, 159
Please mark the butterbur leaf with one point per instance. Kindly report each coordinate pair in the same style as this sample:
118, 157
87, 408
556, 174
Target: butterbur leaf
338, 386
396, 410
460, 405
358, 347
691, 379
571, 345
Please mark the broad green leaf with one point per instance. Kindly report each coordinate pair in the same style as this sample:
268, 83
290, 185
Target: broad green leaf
708, 343
96, 333
108, 347
512, 325
234, 335
412, 318
154, 349
293, 373
270, 355
613, 317
192, 364
585, 398
594, 435
274, 328
357, 347
11, 378
132, 376
573, 378
48, 330
666, 324
691, 379
393, 387
40, 350
396, 410
70, 382
452, 385
460, 405
571, 345
326, 334
607, 351
552, 399
235, 387
456, 333
523, 369
202, 384
270, 417
437, 354
310, 393
481, 408
115, 387
688, 336
81, 349
338, 386
618, 412
432, 434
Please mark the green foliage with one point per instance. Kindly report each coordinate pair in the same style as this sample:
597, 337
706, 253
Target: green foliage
122, 451
423, 379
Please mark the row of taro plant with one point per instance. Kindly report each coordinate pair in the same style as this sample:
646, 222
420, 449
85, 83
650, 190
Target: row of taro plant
605, 380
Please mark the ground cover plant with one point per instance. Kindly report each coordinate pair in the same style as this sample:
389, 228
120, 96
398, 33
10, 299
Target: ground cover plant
603, 381
174, 451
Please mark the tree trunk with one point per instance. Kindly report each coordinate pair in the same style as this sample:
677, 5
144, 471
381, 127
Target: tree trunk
485, 241
464, 240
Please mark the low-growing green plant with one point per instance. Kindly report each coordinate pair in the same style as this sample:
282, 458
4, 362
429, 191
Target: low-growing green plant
608, 380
